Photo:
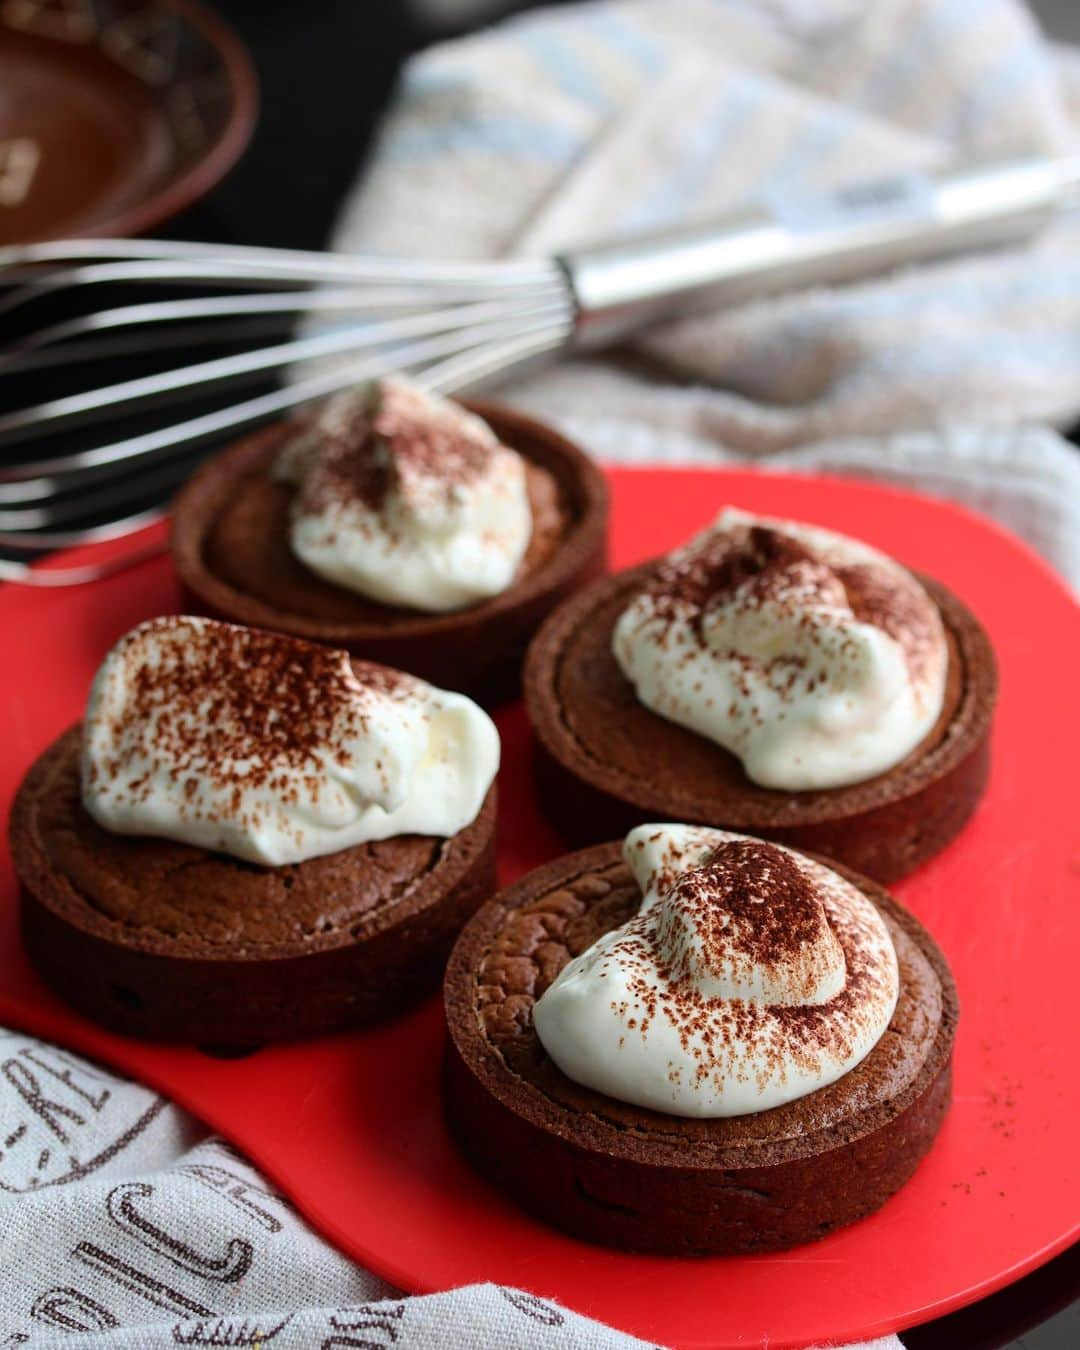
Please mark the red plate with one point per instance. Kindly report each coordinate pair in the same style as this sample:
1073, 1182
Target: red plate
350, 1126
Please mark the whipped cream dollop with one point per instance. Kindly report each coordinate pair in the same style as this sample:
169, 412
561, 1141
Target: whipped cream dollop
274, 750
814, 658
749, 977
406, 498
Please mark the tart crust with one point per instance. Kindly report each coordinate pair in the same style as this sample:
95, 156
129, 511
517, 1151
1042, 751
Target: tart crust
231, 550
606, 763
625, 1176
166, 941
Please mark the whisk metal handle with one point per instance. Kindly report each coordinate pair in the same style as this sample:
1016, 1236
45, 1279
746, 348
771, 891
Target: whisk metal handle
793, 241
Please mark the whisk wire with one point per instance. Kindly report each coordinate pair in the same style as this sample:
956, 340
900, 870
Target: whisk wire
321, 301
473, 322
233, 256
40, 482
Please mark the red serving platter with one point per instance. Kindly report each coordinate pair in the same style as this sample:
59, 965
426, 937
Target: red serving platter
351, 1127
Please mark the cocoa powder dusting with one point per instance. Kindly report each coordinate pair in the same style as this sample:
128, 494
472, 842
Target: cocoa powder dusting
447, 447
238, 707
395, 438
724, 563
759, 563
349, 471
749, 905
751, 899
902, 612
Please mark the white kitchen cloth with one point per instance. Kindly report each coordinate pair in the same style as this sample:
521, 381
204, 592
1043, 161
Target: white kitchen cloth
565, 126
121, 1220
118, 1218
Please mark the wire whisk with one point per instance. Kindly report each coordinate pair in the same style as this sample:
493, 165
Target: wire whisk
180, 346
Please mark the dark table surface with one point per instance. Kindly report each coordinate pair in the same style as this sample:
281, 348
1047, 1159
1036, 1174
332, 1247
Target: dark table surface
327, 69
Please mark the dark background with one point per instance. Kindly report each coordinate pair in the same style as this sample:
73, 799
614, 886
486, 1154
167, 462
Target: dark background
327, 69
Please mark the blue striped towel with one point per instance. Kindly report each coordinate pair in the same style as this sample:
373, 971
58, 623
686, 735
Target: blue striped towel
568, 125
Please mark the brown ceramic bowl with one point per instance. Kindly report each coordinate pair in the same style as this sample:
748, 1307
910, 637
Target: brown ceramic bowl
116, 115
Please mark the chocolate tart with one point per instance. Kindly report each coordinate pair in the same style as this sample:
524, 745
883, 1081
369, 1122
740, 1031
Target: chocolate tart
606, 763
629, 1177
230, 546
163, 940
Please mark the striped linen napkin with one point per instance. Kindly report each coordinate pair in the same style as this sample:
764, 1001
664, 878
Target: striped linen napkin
568, 125
125, 1227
